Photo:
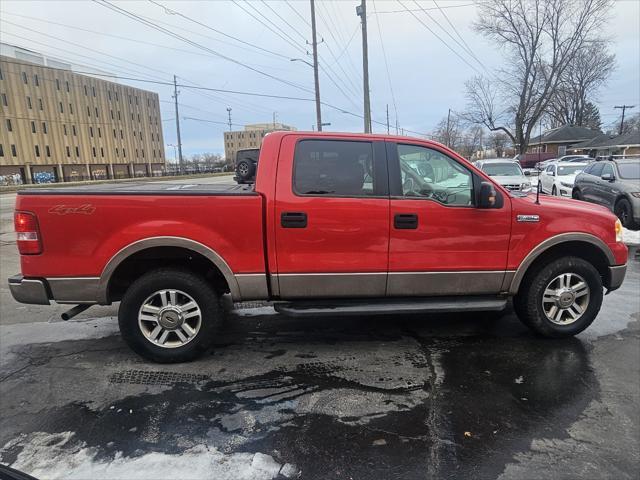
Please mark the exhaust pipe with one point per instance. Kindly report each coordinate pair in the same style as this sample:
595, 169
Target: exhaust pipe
69, 314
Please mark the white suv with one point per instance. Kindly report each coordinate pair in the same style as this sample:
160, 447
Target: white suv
558, 178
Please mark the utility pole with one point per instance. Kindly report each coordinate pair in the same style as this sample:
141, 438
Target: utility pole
448, 123
229, 113
175, 96
387, 119
623, 107
316, 78
361, 11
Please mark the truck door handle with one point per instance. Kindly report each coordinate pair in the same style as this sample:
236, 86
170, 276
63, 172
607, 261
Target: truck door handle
293, 220
405, 221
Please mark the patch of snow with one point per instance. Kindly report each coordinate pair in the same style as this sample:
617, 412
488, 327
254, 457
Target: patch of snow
53, 456
254, 312
630, 237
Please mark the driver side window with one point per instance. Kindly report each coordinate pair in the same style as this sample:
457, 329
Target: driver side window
427, 173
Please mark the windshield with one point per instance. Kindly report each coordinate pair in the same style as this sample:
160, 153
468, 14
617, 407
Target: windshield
570, 169
629, 170
502, 169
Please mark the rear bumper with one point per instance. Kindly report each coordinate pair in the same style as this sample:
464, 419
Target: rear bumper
616, 276
40, 291
29, 290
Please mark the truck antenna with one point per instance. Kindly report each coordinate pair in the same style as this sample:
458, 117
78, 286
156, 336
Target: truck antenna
538, 190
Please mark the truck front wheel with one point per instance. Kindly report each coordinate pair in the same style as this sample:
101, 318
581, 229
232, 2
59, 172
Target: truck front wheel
169, 315
560, 298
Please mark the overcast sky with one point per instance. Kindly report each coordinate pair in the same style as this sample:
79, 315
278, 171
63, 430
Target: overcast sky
425, 76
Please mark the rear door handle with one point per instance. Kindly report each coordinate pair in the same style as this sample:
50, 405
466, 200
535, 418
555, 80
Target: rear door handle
405, 221
293, 220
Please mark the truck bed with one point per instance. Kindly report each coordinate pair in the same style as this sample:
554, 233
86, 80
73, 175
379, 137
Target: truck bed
83, 227
146, 188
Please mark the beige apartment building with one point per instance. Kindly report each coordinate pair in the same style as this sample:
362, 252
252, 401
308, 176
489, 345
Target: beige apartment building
58, 125
250, 137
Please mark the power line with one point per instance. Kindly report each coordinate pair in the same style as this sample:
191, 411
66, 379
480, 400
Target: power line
84, 47
246, 105
284, 21
354, 88
438, 37
386, 64
170, 11
297, 13
340, 32
153, 25
465, 48
235, 92
431, 8
284, 37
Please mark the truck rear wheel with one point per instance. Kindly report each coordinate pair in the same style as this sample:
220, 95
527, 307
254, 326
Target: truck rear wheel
560, 298
169, 315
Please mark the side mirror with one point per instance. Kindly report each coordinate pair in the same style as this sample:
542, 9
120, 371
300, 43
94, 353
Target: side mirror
608, 177
527, 173
487, 196
552, 173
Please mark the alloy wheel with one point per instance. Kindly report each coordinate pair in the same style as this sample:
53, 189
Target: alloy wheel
169, 318
565, 298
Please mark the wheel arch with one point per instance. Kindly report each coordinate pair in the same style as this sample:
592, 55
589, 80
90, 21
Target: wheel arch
586, 246
220, 269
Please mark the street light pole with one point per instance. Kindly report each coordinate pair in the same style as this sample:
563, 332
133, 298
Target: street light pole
316, 79
361, 10
175, 96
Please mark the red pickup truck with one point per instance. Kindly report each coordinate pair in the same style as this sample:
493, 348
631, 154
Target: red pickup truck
335, 224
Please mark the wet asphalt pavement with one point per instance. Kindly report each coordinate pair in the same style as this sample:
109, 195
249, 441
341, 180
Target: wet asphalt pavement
393, 397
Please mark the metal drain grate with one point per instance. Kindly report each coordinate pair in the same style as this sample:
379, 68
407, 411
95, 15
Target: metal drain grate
142, 377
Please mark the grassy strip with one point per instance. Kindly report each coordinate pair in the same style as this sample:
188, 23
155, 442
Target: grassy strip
15, 188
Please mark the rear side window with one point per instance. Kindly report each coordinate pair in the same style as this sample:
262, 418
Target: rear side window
597, 169
333, 168
629, 170
607, 169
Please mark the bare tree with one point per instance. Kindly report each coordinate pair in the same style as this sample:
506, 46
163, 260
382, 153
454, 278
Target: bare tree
586, 72
498, 141
631, 124
540, 37
448, 131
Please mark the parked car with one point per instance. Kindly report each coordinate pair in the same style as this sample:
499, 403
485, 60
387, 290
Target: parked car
336, 224
246, 165
542, 165
566, 158
507, 173
558, 178
614, 184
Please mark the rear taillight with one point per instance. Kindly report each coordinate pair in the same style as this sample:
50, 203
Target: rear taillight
28, 233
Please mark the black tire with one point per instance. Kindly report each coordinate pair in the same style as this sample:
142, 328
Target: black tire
205, 297
576, 195
624, 212
245, 170
528, 302
554, 191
